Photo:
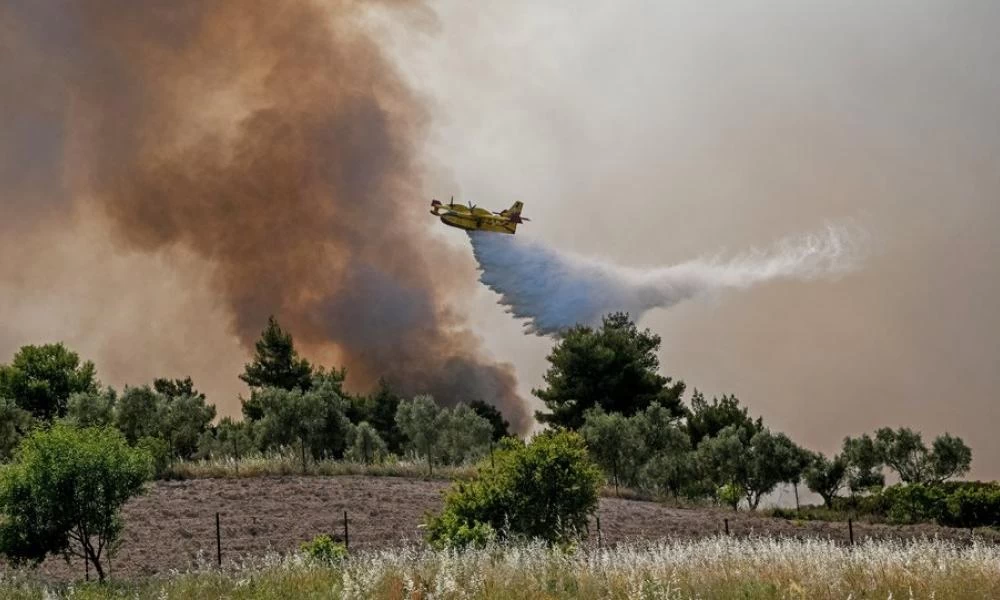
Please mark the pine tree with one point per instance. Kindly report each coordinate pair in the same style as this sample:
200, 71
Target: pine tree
277, 363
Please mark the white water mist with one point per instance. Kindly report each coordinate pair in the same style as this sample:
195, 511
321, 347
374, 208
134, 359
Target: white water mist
555, 290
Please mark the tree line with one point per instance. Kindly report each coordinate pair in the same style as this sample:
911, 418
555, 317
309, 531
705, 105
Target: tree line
605, 383
292, 406
602, 382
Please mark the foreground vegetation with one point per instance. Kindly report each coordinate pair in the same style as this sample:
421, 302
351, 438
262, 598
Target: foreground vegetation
710, 568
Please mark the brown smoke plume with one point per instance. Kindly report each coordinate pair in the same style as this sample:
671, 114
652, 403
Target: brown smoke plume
276, 142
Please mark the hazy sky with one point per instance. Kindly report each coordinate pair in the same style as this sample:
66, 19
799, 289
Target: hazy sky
646, 133
654, 132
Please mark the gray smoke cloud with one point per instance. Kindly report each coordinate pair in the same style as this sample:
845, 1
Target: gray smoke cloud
555, 290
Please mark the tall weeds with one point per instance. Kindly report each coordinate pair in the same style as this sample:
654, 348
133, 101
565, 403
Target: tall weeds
709, 568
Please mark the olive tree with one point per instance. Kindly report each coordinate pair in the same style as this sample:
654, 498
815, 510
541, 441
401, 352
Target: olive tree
364, 444
465, 435
420, 422
64, 492
904, 451
92, 409
826, 476
139, 413
615, 443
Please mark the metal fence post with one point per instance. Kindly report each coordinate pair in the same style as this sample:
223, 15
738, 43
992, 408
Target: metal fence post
218, 541
347, 539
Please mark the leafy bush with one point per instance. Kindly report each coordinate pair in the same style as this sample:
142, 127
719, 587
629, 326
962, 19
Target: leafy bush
543, 490
951, 503
730, 495
450, 530
973, 505
323, 549
914, 503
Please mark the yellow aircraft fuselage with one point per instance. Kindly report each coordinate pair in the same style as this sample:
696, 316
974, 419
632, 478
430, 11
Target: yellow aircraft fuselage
478, 219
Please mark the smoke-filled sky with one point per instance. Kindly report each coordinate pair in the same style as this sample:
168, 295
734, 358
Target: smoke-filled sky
172, 172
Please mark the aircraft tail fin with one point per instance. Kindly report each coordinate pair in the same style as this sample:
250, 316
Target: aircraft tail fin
513, 213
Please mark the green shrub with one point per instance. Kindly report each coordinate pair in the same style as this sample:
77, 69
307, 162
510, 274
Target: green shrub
973, 506
323, 549
915, 503
543, 490
729, 495
449, 530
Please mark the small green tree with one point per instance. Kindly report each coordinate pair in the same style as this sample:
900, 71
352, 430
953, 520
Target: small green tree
465, 436
772, 461
546, 490
864, 465
501, 427
613, 367
64, 492
420, 422
92, 409
725, 460
707, 420
615, 443
826, 477
669, 465
232, 439
949, 458
800, 459
276, 363
364, 444
903, 451
184, 419
383, 405
675, 473
660, 431
41, 379
755, 463
292, 417
139, 412
330, 440
15, 422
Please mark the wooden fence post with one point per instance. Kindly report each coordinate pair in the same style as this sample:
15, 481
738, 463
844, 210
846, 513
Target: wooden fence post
598, 532
726, 523
850, 530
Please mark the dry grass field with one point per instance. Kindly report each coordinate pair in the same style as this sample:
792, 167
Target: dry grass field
172, 526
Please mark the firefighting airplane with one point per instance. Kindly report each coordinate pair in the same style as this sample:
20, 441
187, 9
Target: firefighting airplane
473, 218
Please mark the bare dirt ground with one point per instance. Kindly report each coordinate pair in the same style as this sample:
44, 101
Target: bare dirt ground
173, 525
